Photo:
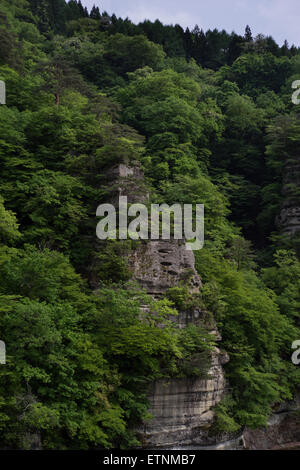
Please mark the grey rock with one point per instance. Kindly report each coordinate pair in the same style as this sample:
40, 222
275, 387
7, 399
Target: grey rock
159, 265
182, 409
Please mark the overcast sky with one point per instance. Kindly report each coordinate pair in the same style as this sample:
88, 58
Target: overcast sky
278, 18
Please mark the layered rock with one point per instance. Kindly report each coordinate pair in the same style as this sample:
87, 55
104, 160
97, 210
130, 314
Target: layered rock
289, 220
289, 217
182, 409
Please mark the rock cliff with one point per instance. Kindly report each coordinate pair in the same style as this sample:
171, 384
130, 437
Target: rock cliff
182, 409
289, 217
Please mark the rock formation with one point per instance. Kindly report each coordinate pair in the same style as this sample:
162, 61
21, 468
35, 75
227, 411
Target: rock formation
282, 430
159, 265
289, 218
182, 409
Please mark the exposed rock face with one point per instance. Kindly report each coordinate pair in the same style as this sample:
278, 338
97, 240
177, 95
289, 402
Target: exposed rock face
159, 265
283, 429
229, 443
289, 218
123, 180
181, 408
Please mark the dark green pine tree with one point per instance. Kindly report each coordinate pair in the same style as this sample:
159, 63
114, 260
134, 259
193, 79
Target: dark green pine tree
285, 50
188, 43
51, 14
41, 10
199, 44
235, 47
73, 11
57, 9
248, 34
95, 13
81, 9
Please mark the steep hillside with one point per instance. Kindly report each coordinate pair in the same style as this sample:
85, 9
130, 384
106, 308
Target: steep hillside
100, 332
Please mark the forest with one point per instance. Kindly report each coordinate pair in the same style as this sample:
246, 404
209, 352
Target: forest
209, 118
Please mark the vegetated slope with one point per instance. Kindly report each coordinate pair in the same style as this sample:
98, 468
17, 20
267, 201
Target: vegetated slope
210, 119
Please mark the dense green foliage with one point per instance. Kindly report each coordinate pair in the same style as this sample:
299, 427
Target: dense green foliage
209, 117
